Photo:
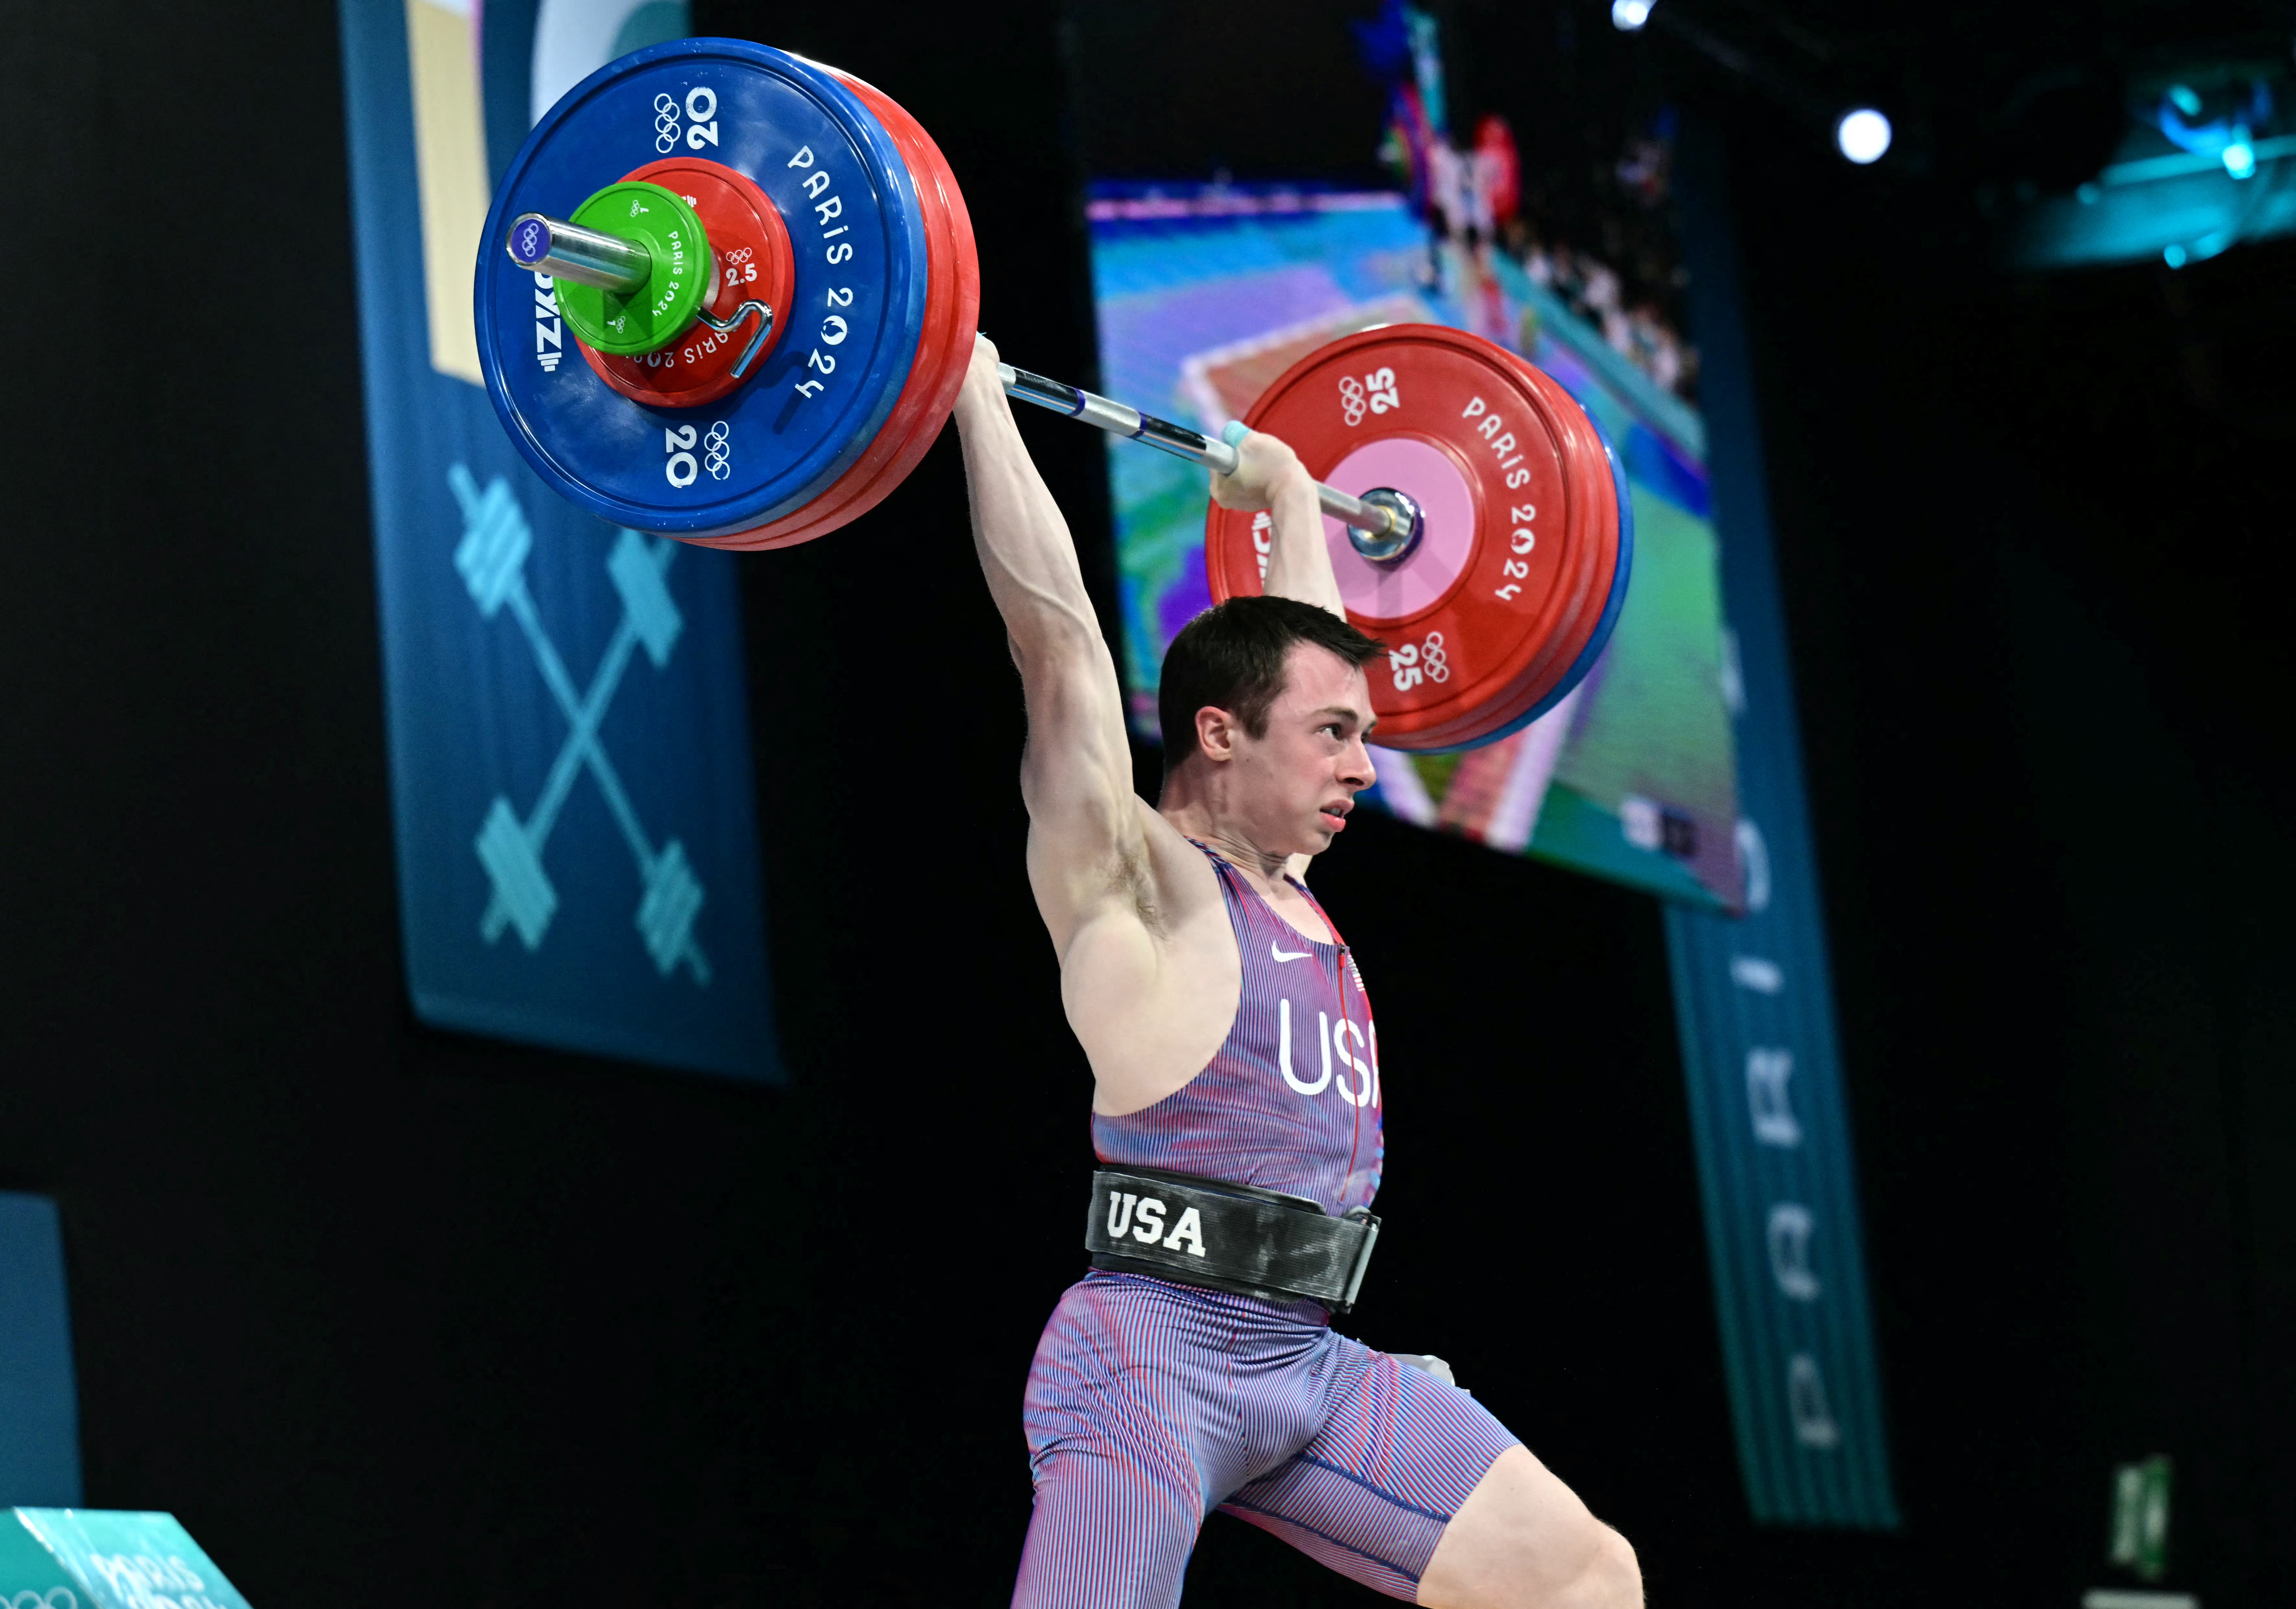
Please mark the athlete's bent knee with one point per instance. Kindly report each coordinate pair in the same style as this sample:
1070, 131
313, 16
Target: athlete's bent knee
1524, 1540
1601, 1573
1613, 1578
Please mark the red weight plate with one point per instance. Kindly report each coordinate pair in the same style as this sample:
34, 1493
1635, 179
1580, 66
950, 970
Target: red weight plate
1409, 408
944, 348
1539, 683
751, 248
1502, 713
1602, 491
1497, 456
953, 312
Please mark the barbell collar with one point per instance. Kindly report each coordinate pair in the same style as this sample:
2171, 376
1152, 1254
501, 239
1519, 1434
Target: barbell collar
1364, 518
568, 252
1401, 539
725, 326
1385, 527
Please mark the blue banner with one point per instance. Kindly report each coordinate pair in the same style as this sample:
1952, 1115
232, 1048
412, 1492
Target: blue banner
1754, 1006
569, 758
39, 1394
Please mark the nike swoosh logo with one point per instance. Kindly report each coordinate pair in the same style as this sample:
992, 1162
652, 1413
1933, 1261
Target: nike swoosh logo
1286, 955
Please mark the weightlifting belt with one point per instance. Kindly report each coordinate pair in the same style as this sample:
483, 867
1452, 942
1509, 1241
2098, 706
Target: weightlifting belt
1226, 1236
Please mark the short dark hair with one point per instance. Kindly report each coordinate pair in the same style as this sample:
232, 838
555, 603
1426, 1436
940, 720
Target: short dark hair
1231, 658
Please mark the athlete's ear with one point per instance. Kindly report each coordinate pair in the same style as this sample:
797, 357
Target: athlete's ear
1216, 733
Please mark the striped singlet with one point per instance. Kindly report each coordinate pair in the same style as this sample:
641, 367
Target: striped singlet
1150, 1402
1290, 1100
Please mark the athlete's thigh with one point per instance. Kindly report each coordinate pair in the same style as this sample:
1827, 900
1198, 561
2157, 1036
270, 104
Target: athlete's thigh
1371, 1494
1119, 1495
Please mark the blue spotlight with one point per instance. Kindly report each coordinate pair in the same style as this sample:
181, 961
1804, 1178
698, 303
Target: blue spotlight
1861, 133
1628, 16
2239, 156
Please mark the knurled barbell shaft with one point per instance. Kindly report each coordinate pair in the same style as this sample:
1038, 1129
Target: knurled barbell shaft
568, 252
1214, 454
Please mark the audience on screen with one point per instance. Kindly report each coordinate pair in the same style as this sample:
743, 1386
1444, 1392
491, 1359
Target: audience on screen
1474, 200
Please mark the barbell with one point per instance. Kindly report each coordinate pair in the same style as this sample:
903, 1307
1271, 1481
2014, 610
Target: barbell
769, 275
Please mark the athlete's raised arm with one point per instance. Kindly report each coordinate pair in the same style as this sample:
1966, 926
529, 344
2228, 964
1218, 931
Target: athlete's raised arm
1087, 856
1269, 475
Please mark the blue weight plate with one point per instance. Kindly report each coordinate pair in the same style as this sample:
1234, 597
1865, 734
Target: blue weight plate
849, 336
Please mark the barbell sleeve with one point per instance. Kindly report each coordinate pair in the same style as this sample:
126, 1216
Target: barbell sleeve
568, 252
1380, 523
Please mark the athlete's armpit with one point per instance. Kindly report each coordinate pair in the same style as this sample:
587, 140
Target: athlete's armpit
1083, 877
1132, 882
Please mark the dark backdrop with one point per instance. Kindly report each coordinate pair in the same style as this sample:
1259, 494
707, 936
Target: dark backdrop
383, 1313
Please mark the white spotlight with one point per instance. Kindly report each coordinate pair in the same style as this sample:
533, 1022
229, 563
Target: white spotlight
1628, 15
1861, 133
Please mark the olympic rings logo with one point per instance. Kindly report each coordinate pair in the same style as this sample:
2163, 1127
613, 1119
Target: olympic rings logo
742, 256
665, 124
56, 1597
1355, 399
1426, 660
1431, 655
680, 442
530, 243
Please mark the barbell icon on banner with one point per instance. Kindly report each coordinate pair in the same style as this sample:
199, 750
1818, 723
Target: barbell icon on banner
813, 281
491, 559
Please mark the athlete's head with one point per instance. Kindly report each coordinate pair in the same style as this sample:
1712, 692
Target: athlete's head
1265, 709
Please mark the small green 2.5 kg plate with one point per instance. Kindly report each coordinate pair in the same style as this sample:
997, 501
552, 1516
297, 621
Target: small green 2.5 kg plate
651, 317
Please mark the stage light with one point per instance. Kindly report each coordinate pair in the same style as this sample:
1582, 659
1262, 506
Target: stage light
2240, 158
2173, 255
1628, 15
1861, 133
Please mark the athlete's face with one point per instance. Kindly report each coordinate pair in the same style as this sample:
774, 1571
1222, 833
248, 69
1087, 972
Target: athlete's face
1295, 785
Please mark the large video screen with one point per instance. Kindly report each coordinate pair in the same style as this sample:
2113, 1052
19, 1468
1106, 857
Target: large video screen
1205, 294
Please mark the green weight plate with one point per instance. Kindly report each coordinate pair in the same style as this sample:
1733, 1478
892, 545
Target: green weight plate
649, 318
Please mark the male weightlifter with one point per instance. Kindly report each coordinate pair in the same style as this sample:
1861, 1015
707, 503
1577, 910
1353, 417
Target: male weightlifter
1236, 1084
